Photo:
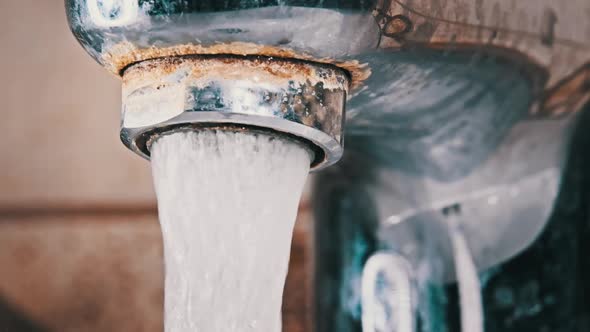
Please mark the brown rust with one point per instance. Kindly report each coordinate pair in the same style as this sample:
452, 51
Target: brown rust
122, 55
396, 26
199, 69
571, 93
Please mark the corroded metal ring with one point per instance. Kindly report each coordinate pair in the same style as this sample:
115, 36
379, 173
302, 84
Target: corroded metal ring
300, 99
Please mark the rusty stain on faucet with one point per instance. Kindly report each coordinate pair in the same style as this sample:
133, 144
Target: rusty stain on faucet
397, 26
232, 67
117, 58
571, 93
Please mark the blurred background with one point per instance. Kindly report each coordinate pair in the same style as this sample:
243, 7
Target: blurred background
80, 246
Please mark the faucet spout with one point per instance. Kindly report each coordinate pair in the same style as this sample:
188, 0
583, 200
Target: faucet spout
302, 100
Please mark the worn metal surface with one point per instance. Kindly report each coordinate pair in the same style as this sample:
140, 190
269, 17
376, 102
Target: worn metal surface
120, 56
554, 36
273, 31
303, 100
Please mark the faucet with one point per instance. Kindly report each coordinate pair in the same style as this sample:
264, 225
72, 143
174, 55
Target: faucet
460, 117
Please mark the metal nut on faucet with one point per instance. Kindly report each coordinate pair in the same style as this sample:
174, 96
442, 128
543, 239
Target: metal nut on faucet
291, 97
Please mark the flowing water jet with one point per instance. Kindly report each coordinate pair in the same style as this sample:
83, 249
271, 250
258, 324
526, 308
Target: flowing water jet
227, 202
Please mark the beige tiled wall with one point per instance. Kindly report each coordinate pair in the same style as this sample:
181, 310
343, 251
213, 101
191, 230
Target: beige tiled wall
59, 118
83, 273
96, 273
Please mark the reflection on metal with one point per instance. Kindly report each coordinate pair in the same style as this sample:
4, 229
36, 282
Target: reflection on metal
498, 222
112, 13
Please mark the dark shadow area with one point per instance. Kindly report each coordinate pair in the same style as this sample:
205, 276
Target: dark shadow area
12, 320
546, 287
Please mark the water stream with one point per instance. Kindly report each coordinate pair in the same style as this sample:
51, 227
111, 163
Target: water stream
227, 203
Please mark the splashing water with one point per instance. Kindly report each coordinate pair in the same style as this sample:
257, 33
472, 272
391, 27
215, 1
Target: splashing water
227, 204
